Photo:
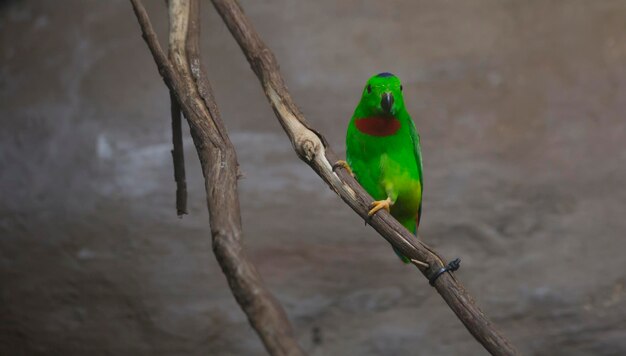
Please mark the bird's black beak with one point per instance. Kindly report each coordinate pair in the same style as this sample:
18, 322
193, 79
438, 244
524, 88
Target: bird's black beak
386, 102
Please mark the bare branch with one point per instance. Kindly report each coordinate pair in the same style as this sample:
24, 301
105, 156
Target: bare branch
312, 148
178, 156
197, 69
219, 167
178, 153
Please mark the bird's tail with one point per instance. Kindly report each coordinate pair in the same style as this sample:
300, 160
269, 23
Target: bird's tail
402, 257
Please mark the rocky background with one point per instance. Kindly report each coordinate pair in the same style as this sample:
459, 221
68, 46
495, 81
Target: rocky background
521, 109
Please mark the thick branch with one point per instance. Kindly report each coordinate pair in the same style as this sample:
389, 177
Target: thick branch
311, 148
219, 166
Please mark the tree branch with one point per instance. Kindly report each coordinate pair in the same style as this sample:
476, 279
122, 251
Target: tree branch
178, 157
219, 167
312, 149
178, 154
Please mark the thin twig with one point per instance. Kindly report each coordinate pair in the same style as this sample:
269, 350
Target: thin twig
178, 156
312, 149
219, 167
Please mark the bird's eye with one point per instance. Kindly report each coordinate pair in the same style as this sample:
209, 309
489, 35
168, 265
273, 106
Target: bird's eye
369, 89
400, 87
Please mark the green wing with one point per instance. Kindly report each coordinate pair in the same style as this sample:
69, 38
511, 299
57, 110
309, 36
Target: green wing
415, 137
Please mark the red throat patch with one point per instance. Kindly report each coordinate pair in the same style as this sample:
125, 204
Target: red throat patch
378, 126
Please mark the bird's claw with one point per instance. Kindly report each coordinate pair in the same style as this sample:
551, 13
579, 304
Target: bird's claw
379, 204
343, 164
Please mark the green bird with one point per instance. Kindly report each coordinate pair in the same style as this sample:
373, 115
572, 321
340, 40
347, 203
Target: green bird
383, 152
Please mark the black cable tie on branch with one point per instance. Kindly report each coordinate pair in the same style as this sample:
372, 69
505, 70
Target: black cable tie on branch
451, 267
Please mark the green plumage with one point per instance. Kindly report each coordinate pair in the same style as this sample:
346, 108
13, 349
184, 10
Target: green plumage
384, 154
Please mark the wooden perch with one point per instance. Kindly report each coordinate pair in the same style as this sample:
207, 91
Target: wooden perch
312, 148
185, 78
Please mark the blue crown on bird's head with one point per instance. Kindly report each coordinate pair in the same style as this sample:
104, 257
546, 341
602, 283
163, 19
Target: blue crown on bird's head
385, 75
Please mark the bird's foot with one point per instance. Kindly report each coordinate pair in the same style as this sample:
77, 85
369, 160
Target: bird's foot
379, 204
344, 165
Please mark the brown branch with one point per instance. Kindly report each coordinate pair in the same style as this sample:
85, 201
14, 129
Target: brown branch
219, 167
178, 156
312, 148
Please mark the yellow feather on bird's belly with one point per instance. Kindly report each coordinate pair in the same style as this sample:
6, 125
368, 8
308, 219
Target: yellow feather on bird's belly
397, 180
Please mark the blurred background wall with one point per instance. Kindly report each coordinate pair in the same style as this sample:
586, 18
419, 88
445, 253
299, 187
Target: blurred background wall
520, 106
